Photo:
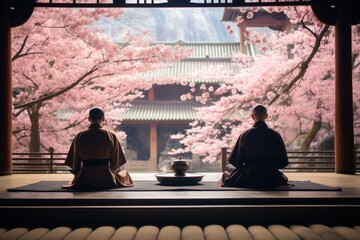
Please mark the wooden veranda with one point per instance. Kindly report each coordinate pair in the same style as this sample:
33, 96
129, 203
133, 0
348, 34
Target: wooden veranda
37, 210
338, 13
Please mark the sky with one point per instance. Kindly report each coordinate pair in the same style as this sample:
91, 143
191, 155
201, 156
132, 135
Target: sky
173, 24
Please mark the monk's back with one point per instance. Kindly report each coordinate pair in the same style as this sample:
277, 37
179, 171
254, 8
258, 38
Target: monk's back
95, 144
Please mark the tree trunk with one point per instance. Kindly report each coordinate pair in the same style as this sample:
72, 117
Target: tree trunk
305, 146
34, 144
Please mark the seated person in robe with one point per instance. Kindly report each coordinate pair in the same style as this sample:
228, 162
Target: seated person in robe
258, 155
96, 157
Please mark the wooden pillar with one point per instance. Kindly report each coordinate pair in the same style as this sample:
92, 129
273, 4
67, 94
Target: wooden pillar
344, 128
243, 48
153, 147
153, 164
223, 158
5, 91
151, 94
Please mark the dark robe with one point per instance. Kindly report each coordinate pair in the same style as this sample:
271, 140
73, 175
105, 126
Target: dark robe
95, 158
255, 161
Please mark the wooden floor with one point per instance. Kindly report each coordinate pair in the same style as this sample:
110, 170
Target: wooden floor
182, 207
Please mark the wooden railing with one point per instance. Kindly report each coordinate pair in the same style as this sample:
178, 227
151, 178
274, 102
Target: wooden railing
53, 162
305, 161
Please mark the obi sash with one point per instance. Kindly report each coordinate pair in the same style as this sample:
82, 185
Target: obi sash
96, 162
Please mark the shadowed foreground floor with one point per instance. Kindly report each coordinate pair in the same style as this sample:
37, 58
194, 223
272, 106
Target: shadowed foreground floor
225, 214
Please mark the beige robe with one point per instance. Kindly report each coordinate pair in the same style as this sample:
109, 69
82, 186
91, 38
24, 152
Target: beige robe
96, 143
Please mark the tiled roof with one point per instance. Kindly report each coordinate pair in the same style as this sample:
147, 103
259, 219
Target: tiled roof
231, 13
65, 113
161, 111
189, 67
151, 111
205, 55
206, 50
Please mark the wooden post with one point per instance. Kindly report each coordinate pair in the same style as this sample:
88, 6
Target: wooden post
344, 129
51, 151
243, 48
223, 158
5, 91
153, 164
153, 147
151, 95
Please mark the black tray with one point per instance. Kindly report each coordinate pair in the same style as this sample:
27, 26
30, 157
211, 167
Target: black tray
171, 179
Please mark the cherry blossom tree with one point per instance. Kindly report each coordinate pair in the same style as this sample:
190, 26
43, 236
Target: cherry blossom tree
293, 74
62, 61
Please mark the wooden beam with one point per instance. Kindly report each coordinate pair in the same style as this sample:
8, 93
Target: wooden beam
163, 4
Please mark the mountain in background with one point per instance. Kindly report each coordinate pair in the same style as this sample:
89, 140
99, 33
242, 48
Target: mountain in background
173, 24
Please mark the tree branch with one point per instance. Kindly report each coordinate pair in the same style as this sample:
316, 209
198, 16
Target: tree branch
304, 65
50, 96
20, 53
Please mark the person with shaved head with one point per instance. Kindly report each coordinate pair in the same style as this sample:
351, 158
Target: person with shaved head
96, 158
257, 156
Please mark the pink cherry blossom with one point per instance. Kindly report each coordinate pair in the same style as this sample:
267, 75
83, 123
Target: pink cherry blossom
250, 15
239, 20
62, 67
271, 78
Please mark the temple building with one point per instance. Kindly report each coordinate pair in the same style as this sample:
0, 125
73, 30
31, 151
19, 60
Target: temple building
262, 19
149, 122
